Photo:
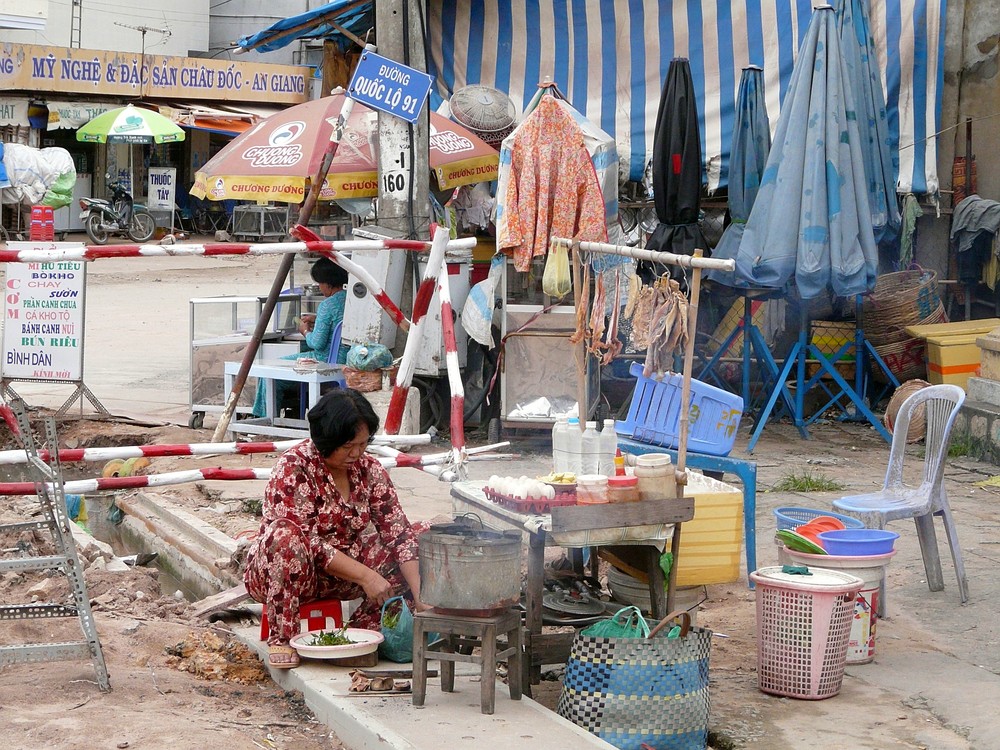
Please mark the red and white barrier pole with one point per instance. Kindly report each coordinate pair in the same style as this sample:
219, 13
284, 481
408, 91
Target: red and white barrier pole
211, 249
421, 304
315, 245
457, 421
127, 483
149, 451
189, 449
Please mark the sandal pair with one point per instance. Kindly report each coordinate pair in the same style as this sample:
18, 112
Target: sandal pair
282, 657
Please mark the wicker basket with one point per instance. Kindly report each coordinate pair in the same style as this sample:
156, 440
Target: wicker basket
365, 381
897, 334
904, 359
899, 299
918, 418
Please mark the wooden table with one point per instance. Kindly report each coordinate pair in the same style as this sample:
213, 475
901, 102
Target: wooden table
618, 526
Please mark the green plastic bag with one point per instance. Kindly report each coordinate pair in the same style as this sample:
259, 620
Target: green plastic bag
627, 622
397, 630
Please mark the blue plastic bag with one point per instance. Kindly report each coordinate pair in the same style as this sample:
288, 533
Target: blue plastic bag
369, 357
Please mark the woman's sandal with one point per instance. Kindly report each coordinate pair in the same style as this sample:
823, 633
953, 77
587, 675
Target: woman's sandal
282, 657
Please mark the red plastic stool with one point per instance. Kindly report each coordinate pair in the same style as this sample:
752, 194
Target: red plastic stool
315, 615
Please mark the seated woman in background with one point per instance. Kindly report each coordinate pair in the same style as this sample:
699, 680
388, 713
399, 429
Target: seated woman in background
318, 330
332, 527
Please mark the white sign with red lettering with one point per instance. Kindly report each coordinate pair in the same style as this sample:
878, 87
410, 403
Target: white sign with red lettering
43, 316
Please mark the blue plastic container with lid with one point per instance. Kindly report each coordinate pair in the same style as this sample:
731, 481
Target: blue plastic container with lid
654, 414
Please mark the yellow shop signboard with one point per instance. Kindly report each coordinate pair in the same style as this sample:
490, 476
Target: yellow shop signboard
39, 68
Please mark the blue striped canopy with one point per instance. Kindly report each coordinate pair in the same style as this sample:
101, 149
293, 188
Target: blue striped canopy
812, 221
610, 58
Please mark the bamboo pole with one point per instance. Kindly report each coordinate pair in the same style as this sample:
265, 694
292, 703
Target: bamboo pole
580, 351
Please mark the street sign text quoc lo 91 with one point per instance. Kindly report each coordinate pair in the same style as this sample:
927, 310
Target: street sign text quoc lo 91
389, 86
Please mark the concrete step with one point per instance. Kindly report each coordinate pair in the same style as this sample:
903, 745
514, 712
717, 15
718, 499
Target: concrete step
373, 722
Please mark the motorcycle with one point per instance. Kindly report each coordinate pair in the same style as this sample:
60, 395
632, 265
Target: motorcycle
118, 217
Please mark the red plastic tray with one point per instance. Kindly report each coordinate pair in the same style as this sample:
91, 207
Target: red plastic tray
534, 505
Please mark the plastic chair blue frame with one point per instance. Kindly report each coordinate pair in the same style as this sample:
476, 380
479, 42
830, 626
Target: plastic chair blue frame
331, 358
742, 468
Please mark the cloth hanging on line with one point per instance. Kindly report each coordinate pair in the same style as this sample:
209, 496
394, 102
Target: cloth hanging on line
550, 187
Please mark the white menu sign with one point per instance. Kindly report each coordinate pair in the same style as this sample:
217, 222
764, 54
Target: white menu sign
43, 317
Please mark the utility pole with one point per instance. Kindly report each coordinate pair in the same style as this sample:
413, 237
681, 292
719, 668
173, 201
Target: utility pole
403, 168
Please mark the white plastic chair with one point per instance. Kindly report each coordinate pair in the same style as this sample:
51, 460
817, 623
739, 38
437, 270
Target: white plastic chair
919, 501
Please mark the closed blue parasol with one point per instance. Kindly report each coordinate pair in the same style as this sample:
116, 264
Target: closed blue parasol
865, 82
748, 157
811, 222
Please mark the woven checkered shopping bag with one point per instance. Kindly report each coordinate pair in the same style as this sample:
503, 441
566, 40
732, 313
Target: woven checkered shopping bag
630, 691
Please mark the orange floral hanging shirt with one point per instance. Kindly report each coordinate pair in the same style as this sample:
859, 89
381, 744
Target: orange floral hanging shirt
553, 189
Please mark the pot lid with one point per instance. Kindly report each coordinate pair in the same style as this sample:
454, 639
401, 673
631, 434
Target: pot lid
573, 603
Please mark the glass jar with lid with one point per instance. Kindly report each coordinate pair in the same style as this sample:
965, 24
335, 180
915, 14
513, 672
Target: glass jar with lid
653, 471
623, 490
591, 489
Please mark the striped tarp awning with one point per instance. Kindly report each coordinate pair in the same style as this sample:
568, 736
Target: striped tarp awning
610, 57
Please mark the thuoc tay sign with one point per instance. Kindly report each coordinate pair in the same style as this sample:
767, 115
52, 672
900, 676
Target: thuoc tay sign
161, 188
43, 318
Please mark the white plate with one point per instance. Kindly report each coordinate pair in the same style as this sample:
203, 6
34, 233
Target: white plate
365, 642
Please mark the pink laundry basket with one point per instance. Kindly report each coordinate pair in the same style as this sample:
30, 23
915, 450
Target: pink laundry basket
803, 629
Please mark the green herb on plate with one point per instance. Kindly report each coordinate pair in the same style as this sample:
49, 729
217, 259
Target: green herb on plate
331, 638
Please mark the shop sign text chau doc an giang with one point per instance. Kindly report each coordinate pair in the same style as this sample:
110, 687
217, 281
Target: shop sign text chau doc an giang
30, 67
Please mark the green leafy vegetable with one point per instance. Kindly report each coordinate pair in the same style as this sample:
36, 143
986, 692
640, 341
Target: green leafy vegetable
331, 638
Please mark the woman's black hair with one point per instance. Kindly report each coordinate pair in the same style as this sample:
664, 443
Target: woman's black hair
336, 417
325, 271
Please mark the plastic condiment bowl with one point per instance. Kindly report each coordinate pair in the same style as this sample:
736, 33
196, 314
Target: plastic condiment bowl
858, 541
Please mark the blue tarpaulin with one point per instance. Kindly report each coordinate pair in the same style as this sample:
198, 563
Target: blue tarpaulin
357, 16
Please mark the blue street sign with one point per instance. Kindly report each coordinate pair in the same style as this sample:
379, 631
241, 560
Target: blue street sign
389, 86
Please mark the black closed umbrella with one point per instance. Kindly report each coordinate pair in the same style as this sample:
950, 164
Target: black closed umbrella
677, 171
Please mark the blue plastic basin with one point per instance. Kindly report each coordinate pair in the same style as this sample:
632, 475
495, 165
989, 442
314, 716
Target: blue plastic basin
852, 542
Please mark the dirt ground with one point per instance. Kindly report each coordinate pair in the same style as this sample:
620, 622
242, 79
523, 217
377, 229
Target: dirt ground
183, 683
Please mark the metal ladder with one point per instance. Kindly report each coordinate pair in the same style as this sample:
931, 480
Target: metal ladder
55, 519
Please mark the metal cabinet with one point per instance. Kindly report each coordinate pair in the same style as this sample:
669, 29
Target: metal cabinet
539, 379
221, 329
260, 223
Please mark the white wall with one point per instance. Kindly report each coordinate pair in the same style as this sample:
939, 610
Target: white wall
233, 19
187, 21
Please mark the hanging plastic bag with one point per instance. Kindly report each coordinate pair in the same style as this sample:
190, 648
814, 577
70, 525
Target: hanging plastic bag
477, 314
397, 630
556, 281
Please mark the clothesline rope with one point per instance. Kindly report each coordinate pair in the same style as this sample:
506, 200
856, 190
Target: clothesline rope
672, 259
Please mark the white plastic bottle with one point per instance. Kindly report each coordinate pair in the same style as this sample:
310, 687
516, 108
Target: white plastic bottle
560, 461
574, 446
609, 444
591, 448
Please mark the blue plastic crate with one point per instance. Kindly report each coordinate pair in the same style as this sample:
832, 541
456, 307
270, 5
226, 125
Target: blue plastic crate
654, 414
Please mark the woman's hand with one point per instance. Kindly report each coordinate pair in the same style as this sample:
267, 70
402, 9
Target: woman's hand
377, 589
